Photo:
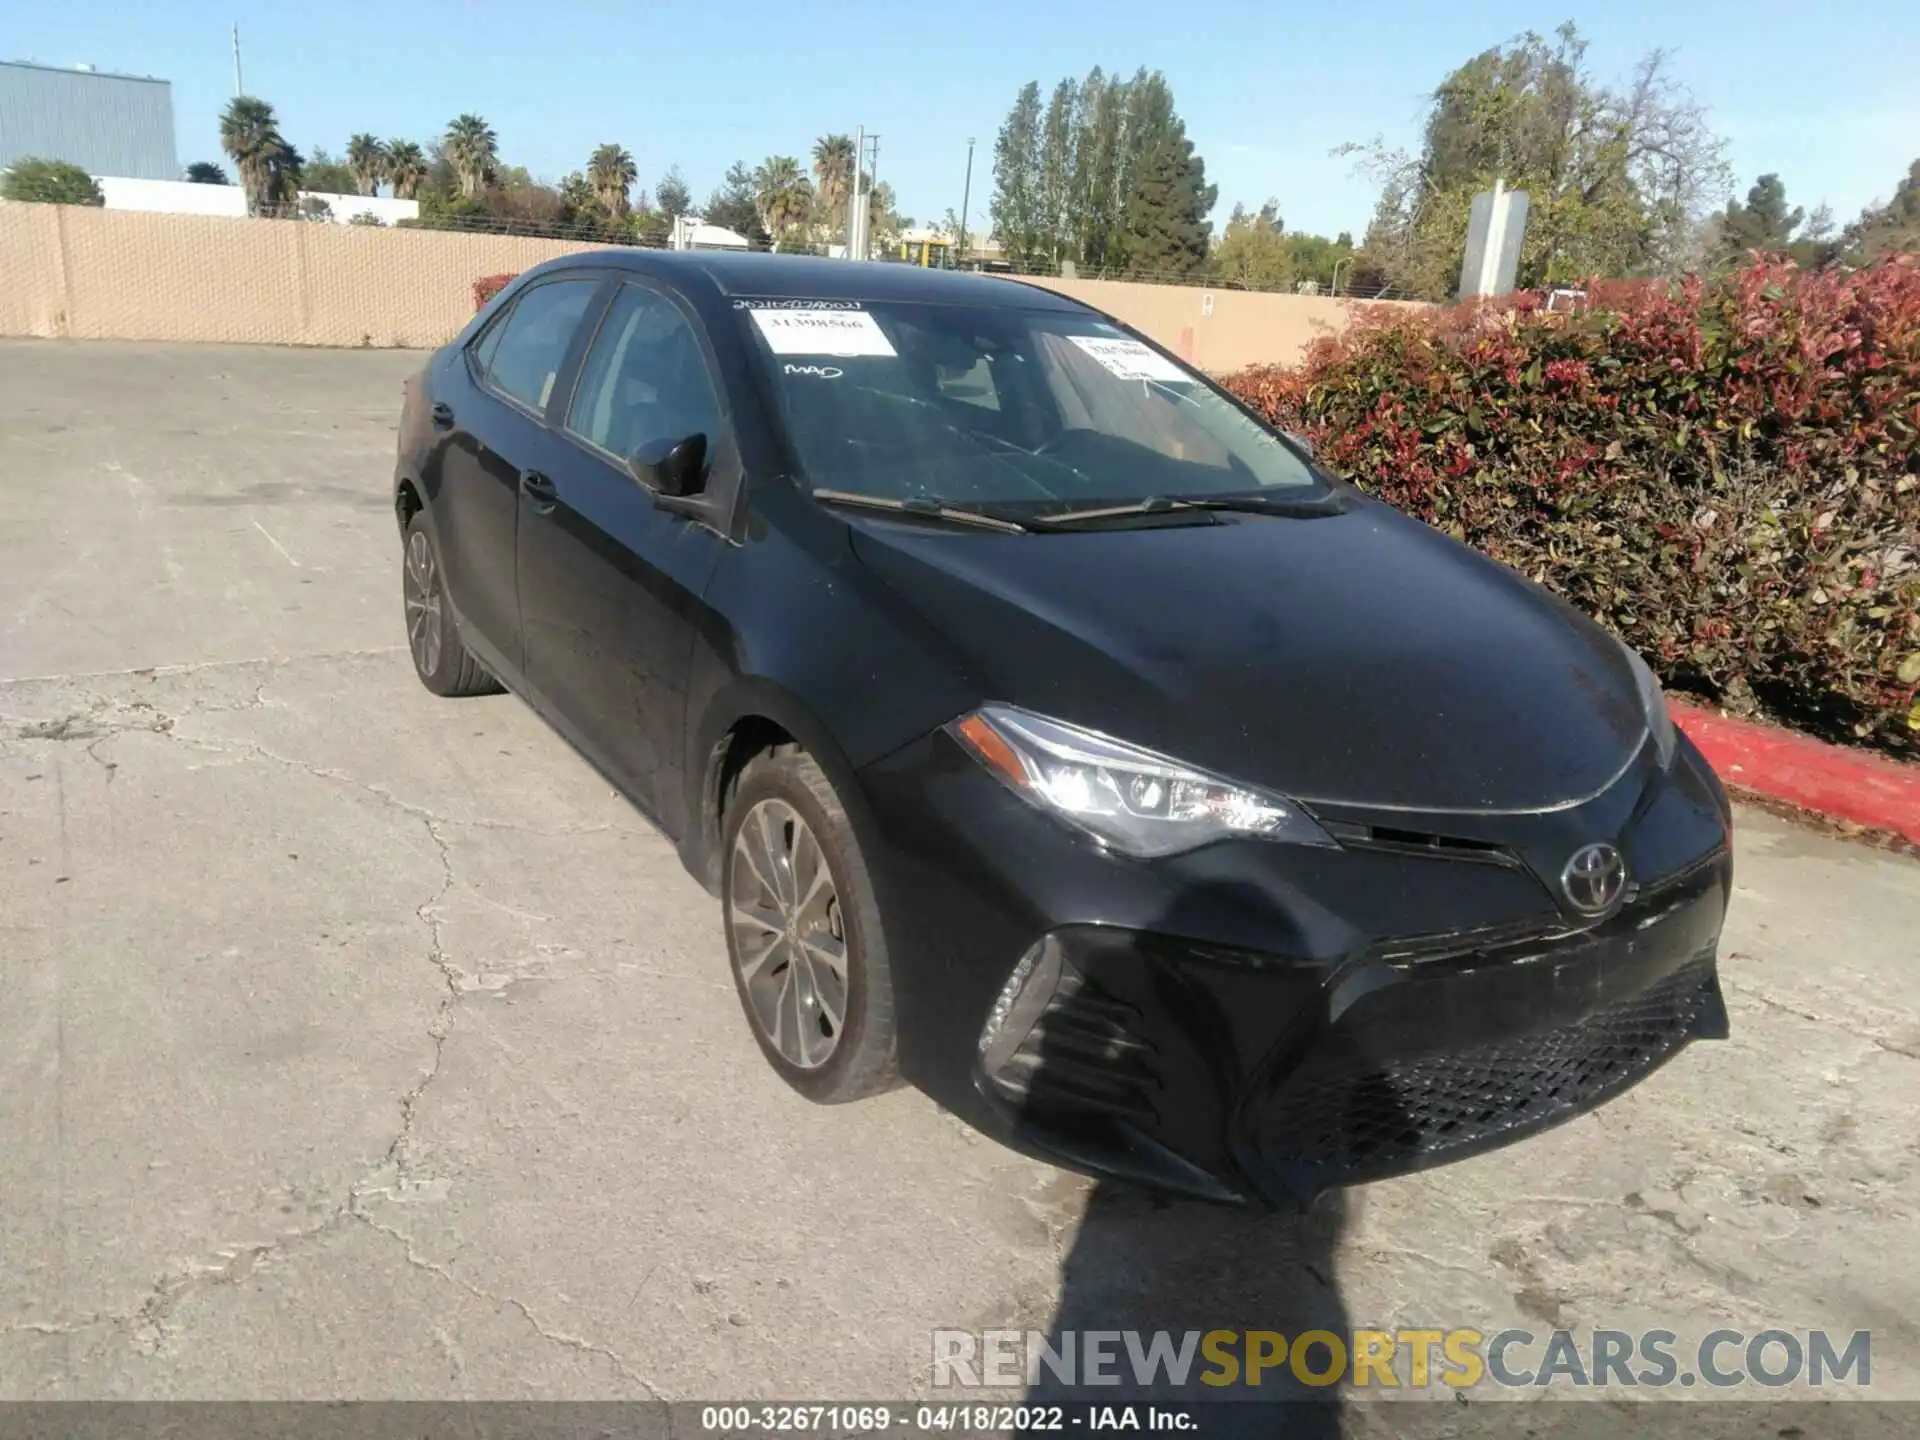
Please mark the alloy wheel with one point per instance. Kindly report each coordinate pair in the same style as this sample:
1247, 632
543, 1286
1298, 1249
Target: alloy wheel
423, 604
789, 941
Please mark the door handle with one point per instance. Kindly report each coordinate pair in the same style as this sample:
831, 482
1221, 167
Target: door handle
539, 489
441, 415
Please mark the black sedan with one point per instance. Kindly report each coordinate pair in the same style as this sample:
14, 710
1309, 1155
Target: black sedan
1054, 734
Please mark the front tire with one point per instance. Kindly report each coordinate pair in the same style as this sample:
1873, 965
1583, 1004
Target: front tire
445, 665
804, 939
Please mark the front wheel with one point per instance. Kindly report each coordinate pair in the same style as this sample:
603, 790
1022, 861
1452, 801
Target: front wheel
803, 933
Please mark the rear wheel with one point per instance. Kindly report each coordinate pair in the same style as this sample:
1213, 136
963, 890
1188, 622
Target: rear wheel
803, 933
443, 663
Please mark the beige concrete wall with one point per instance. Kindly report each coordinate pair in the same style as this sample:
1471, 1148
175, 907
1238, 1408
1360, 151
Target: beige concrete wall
1217, 330
80, 273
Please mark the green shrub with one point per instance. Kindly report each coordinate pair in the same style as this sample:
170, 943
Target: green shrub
50, 182
1727, 474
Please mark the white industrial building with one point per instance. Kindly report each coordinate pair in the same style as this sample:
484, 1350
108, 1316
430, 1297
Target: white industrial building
180, 197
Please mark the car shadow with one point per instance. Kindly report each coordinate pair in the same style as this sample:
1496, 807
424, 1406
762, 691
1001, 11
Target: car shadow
1146, 1262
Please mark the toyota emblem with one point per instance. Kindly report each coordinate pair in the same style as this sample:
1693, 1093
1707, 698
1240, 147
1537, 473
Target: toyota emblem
1594, 878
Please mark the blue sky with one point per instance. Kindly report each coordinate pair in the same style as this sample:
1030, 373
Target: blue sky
1823, 94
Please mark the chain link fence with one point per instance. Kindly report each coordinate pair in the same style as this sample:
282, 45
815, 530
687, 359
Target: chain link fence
886, 249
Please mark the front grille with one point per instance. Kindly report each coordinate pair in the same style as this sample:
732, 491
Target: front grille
1351, 1117
1086, 1052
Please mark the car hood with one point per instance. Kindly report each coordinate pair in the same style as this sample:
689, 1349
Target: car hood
1358, 659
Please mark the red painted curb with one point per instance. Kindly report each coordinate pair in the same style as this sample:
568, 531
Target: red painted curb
1827, 779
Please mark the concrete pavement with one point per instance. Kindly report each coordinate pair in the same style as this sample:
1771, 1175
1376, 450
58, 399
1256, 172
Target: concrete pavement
358, 1043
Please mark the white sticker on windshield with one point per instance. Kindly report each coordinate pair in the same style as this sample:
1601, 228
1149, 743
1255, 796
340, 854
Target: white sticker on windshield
1131, 360
822, 332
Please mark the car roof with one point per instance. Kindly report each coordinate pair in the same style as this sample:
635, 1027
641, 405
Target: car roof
811, 277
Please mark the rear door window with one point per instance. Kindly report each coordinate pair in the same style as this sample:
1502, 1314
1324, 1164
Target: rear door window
525, 360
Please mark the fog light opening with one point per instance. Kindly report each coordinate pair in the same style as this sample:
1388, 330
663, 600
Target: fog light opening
1020, 1002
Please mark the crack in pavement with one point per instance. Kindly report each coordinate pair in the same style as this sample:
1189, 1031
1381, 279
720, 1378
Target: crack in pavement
148, 1325
441, 1026
105, 719
557, 1337
196, 667
253, 748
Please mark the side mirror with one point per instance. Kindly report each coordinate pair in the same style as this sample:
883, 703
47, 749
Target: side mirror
1300, 440
671, 467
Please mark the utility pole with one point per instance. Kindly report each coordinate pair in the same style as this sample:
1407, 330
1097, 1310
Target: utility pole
860, 202
853, 207
966, 197
238, 88
866, 201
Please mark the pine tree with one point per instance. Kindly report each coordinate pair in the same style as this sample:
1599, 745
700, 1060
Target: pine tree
1097, 168
1149, 120
1056, 170
1165, 198
1066, 183
1166, 229
1764, 223
1016, 205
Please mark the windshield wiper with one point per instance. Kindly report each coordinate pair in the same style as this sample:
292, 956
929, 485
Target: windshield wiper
930, 509
1166, 504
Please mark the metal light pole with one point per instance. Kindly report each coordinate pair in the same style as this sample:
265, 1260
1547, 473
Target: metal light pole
238, 88
966, 197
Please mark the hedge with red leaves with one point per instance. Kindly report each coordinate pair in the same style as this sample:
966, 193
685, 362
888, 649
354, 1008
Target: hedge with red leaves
488, 286
1725, 473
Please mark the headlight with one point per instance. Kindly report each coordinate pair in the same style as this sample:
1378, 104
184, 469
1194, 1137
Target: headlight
1133, 800
1654, 702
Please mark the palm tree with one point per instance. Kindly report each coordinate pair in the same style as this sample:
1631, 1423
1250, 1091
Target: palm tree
406, 168
833, 168
205, 172
367, 158
473, 150
781, 194
283, 180
612, 172
250, 134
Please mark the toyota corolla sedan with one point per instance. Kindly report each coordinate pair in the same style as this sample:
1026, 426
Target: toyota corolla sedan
1053, 734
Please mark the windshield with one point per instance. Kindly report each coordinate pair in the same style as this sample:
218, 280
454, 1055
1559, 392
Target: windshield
1042, 410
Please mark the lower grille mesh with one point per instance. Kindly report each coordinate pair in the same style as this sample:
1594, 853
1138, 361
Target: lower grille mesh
1337, 1113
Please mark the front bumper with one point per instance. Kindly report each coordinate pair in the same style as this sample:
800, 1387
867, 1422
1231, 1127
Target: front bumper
1256, 1022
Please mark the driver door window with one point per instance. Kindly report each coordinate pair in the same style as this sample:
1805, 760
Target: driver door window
644, 379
